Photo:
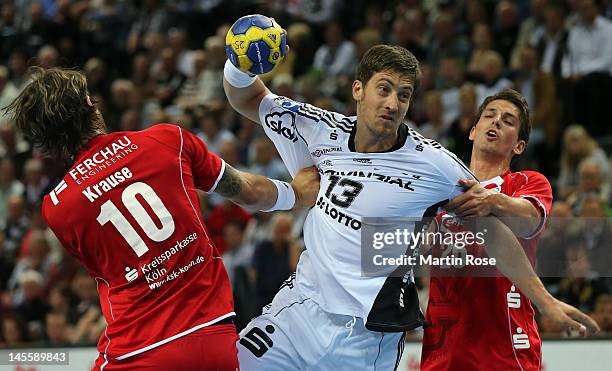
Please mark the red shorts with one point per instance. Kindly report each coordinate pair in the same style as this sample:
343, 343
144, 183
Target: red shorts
211, 348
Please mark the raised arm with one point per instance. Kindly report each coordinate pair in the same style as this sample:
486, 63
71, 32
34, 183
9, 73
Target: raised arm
244, 92
256, 192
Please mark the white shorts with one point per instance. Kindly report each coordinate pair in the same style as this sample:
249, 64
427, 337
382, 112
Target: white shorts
294, 333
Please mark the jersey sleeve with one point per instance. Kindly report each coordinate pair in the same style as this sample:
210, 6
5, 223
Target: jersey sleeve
538, 191
207, 168
453, 169
287, 129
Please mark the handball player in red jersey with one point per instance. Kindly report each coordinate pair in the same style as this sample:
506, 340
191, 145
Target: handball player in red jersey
486, 323
129, 211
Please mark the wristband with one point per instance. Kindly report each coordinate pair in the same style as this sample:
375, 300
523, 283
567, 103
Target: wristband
237, 78
286, 196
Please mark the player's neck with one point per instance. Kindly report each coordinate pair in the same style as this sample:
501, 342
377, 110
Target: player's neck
367, 142
486, 167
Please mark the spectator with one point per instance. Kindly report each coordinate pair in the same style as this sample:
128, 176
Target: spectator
560, 228
588, 65
35, 180
15, 225
32, 305
335, 58
212, 128
409, 32
272, 259
482, 42
167, 80
446, 42
493, 80
6, 267
62, 300
596, 235
9, 186
151, 17
581, 287
48, 57
18, 69
551, 41
57, 330
36, 258
434, 128
265, 160
577, 146
8, 92
187, 97
506, 28
14, 147
450, 78
458, 141
592, 182
528, 29
299, 61
210, 82
538, 88
14, 331
177, 40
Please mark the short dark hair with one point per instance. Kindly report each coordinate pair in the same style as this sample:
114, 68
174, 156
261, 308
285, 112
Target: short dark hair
52, 112
388, 58
514, 97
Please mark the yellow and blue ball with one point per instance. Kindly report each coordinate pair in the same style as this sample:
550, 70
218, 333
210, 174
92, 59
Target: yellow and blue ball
255, 44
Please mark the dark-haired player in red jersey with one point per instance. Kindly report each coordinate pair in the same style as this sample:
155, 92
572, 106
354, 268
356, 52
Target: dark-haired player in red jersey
128, 210
486, 323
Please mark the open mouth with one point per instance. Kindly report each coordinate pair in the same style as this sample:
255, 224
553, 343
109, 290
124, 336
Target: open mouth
492, 134
387, 117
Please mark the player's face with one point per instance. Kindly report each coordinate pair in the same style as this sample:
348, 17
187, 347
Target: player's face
383, 101
497, 130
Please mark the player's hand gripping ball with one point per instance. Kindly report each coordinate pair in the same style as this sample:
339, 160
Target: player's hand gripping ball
256, 44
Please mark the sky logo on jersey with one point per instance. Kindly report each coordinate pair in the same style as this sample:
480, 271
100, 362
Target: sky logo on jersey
53, 194
283, 124
131, 274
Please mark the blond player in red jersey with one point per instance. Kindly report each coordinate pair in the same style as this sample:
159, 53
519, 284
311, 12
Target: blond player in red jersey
486, 323
129, 211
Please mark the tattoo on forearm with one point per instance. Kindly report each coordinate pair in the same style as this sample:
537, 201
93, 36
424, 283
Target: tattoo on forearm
230, 184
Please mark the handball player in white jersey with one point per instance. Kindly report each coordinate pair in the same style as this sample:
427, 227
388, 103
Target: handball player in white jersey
329, 316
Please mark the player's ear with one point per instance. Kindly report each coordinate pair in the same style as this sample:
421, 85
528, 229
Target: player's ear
357, 90
519, 147
472, 131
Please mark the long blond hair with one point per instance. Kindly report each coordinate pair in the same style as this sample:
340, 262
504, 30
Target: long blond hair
52, 112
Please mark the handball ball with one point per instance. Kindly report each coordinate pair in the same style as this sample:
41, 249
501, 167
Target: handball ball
255, 44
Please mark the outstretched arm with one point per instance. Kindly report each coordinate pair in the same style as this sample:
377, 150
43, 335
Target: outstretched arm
256, 192
512, 262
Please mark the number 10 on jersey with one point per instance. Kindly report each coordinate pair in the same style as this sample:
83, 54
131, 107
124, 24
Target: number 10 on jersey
110, 213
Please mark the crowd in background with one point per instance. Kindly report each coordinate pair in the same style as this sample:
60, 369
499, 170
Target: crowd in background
153, 61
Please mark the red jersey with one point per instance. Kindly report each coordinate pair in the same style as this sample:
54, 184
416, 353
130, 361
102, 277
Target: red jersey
128, 210
486, 323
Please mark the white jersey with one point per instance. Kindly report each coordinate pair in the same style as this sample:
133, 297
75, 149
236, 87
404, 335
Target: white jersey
410, 180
